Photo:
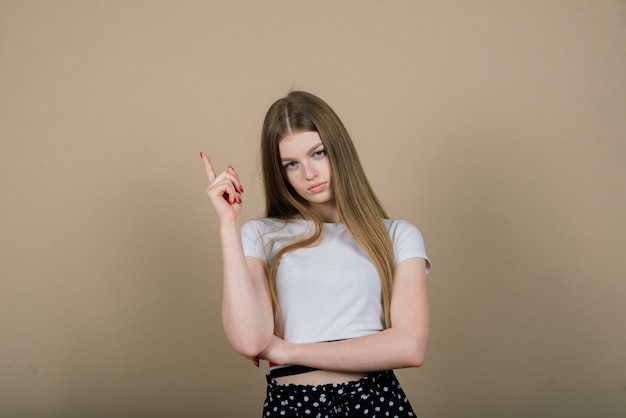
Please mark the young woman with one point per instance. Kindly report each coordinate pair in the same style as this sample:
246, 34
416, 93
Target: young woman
325, 287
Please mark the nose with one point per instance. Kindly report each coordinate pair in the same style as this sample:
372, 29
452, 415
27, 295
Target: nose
309, 171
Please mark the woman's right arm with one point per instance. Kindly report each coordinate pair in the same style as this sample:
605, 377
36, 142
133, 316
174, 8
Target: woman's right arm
246, 304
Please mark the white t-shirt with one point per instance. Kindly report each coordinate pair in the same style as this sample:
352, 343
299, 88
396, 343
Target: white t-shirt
330, 291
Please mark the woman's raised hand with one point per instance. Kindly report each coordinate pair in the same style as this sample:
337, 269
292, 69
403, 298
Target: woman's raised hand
224, 192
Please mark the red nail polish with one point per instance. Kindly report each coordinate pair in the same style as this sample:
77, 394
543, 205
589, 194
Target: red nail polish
201, 155
240, 189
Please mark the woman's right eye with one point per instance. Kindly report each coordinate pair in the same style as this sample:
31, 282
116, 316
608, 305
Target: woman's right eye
290, 164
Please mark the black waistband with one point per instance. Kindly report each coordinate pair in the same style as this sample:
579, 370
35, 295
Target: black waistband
289, 371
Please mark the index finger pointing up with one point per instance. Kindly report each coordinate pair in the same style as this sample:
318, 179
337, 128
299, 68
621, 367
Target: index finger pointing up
210, 173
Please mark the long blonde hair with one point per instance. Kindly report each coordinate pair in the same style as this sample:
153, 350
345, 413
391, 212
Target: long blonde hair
359, 208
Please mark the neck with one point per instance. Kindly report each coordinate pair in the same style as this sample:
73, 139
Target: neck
328, 212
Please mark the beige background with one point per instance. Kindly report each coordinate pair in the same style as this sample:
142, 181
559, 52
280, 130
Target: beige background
497, 127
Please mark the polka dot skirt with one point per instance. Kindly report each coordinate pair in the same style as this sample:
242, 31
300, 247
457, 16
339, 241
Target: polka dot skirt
376, 395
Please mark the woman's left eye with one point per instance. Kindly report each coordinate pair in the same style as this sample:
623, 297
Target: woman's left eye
319, 153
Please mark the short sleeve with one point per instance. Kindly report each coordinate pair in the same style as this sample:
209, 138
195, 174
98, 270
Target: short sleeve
252, 233
407, 242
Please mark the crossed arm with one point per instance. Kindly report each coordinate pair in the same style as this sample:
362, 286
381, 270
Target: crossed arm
249, 326
402, 345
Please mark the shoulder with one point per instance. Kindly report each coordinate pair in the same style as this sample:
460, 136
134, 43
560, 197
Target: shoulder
398, 228
262, 237
407, 241
260, 226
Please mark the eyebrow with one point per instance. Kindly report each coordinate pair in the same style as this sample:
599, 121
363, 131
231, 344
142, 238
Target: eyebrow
313, 148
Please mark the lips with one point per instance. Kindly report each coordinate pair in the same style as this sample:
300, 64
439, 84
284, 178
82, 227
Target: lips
317, 187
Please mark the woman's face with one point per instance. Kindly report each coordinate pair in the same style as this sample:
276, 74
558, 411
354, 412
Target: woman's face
307, 167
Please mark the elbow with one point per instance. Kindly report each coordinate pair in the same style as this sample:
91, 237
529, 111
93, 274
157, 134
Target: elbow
248, 341
415, 353
249, 349
417, 358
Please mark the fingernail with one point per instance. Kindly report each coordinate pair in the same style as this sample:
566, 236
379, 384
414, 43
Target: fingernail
201, 155
240, 189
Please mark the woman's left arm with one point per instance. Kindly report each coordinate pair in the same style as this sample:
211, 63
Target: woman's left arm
402, 345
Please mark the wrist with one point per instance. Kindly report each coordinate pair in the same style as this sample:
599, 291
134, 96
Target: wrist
291, 353
228, 227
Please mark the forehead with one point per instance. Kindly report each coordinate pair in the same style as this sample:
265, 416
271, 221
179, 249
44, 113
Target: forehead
298, 144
